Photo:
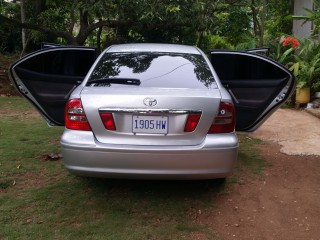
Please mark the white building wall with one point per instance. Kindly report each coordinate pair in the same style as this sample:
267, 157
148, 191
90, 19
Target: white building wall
301, 30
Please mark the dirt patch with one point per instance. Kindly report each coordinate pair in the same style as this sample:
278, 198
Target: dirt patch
297, 132
314, 111
284, 202
26, 180
25, 114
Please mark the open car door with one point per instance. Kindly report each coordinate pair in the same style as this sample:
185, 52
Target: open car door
47, 78
257, 84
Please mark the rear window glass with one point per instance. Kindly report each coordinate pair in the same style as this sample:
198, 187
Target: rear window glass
163, 70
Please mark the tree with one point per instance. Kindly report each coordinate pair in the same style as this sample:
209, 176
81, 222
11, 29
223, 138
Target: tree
10, 40
269, 18
237, 25
73, 20
183, 21
279, 20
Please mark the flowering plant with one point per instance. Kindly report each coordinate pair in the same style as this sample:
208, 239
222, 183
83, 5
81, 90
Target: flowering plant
302, 58
284, 50
306, 65
292, 42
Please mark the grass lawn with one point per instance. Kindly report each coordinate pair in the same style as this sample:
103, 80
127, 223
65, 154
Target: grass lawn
39, 199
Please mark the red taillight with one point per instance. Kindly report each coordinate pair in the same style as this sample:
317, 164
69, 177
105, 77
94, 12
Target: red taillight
75, 118
108, 122
192, 122
224, 122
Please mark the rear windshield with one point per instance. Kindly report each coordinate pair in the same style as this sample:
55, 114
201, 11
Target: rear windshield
162, 70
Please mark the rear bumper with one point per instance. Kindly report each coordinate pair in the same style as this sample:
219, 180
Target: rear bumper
214, 158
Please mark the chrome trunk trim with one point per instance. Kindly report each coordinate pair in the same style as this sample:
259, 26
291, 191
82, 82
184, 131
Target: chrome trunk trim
149, 111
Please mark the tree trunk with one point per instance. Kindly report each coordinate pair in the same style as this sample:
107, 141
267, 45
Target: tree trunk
23, 30
200, 39
257, 28
84, 23
263, 22
254, 18
99, 37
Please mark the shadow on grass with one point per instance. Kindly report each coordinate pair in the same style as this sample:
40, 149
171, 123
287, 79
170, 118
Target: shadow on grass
157, 189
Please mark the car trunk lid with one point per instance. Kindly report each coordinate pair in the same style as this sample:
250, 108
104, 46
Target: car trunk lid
150, 116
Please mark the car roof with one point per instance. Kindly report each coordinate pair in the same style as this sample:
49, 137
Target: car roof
153, 47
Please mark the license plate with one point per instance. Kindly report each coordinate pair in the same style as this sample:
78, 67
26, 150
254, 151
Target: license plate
150, 124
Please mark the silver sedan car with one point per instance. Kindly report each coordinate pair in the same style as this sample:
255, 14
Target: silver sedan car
159, 111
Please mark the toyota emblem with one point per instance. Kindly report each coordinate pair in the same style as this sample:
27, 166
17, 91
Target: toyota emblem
150, 102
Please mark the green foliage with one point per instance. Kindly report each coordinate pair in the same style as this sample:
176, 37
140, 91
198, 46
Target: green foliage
246, 41
187, 22
279, 19
302, 58
306, 65
10, 40
236, 25
280, 53
215, 42
173, 21
138, 21
263, 20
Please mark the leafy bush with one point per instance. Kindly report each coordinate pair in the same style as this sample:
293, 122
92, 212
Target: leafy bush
247, 41
283, 49
306, 65
10, 37
215, 42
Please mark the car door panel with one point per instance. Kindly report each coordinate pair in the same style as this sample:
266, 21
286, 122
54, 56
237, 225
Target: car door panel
247, 92
257, 84
48, 77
